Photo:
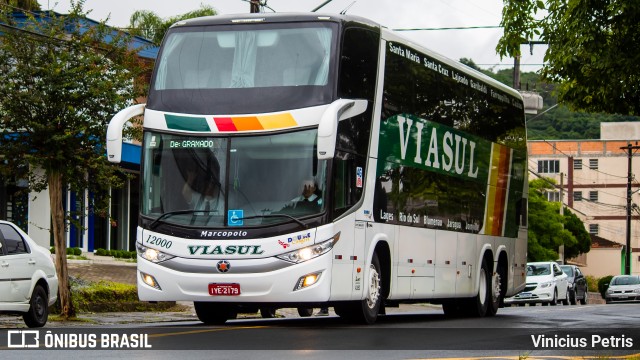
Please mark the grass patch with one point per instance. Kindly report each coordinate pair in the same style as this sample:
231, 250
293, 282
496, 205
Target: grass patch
109, 296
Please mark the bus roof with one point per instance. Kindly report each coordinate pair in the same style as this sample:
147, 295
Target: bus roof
273, 18
310, 16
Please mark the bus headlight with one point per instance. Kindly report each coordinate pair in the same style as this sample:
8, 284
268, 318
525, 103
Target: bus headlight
310, 252
153, 255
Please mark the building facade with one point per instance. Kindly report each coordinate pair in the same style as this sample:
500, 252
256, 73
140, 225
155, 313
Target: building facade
593, 177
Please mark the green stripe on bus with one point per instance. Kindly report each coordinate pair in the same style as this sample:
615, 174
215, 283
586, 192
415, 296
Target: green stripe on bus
187, 123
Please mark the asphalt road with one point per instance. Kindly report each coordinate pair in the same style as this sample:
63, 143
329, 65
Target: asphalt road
603, 331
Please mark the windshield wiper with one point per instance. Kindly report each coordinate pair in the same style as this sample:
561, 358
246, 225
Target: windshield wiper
274, 216
171, 213
182, 212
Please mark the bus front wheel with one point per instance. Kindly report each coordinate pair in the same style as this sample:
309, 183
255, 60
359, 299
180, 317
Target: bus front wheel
366, 310
214, 313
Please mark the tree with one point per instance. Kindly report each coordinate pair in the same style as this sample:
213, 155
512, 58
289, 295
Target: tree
548, 229
60, 83
31, 5
591, 53
151, 26
577, 228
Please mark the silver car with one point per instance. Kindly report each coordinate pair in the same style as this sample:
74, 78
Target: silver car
623, 288
28, 280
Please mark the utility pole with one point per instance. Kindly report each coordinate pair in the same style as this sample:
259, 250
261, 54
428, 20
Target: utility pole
254, 6
627, 259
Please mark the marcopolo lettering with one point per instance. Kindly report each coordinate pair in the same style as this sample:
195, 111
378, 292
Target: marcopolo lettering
225, 250
227, 234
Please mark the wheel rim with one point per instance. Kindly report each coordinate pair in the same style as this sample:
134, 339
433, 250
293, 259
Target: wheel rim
482, 292
496, 287
374, 287
38, 307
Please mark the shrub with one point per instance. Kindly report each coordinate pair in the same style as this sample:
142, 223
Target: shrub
592, 283
74, 251
603, 285
101, 252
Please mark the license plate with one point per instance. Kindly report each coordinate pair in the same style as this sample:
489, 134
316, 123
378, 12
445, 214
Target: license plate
525, 295
224, 289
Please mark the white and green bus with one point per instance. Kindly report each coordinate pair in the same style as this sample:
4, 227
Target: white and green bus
418, 165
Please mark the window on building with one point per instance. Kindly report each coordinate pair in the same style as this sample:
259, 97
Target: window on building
593, 195
593, 164
593, 229
577, 164
549, 166
553, 196
577, 196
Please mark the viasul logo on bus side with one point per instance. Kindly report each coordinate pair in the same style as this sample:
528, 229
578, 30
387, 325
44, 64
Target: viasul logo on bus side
225, 250
412, 141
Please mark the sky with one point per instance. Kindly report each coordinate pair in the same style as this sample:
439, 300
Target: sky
476, 44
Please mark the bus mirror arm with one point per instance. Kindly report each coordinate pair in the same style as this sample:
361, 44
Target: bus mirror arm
115, 128
337, 111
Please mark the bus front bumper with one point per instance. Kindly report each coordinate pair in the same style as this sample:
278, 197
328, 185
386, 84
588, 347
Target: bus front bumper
216, 281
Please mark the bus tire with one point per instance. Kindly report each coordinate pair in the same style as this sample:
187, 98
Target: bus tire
453, 308
497, 292
480, 303
305, 311
366, 310
214, 313
268, 313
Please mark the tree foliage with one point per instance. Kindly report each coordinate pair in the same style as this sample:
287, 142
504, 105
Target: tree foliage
555, 121
591, 52
11, 5
152, 27
548, 230
60, 83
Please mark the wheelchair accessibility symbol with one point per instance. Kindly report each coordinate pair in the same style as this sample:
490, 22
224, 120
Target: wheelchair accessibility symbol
235, 217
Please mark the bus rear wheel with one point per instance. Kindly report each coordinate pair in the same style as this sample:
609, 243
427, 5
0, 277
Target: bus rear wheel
481, 302
214, 313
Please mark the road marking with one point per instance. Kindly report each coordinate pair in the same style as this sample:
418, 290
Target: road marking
206, 331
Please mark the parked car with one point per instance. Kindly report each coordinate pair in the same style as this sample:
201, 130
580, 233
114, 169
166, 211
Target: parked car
546, 284
28, 280
577, 284
623, 288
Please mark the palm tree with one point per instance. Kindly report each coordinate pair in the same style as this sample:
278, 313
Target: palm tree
149, 25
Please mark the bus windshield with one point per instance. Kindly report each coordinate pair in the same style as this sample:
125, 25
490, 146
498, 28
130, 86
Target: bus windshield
238, 181
230, 64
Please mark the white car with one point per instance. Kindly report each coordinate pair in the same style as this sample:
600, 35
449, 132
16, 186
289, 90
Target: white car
546, 284
28, 280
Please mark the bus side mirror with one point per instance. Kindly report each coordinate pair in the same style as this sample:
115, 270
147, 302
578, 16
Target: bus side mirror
328, 129
114, 131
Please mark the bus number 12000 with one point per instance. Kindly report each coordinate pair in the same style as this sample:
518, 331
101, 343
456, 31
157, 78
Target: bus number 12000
154, 240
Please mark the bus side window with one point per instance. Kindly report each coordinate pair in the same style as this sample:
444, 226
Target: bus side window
346, 192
